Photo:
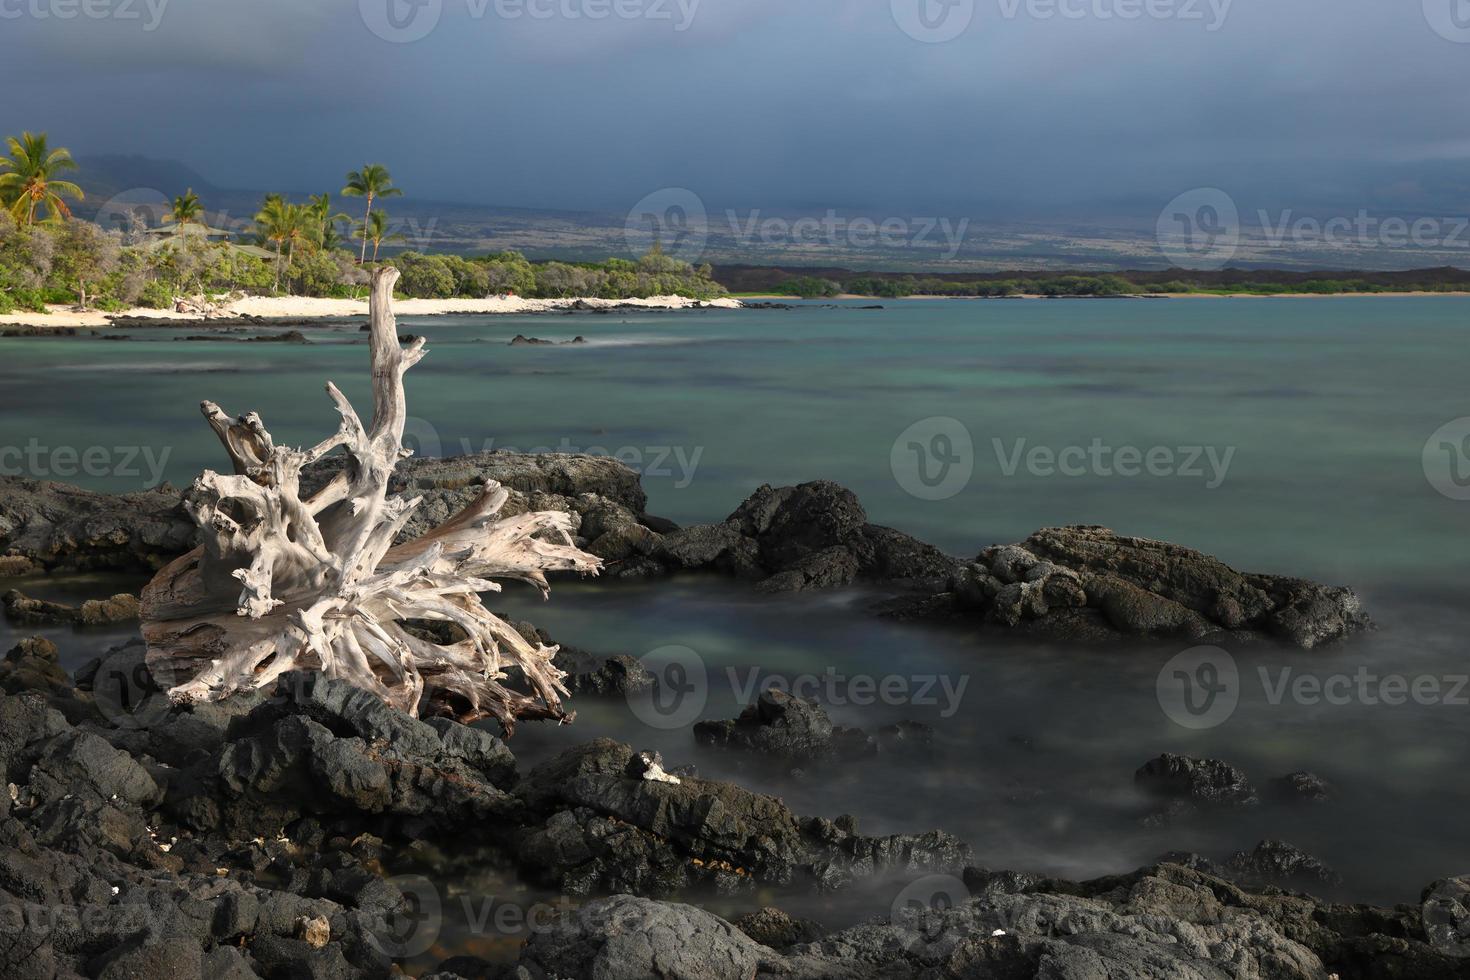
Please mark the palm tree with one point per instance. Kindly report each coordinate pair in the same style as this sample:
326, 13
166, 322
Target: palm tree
186, 210
28, 183
285, 226
372, 181
375, 230
324, 225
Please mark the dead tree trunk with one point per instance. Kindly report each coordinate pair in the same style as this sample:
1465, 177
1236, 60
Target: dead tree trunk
282, 583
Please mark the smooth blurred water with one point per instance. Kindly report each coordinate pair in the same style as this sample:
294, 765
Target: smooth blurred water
1326, 403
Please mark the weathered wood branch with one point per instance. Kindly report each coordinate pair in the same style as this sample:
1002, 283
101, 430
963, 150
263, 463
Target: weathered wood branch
279, 583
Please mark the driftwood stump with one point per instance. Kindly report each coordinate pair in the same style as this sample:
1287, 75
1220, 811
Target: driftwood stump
282, 583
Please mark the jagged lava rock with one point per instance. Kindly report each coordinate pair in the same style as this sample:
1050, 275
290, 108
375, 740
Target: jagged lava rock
591, 826
785, 726
1087, 582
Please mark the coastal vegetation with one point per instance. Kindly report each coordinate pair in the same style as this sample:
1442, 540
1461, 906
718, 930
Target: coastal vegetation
1117, 285
1173, 282
48, 255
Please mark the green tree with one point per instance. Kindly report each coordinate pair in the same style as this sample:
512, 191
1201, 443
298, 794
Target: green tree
25, 256
376, 231
287, 226
325, 222
424, 276
371, 182
28, 181
84, 254
509, 272
186, 210
809, 287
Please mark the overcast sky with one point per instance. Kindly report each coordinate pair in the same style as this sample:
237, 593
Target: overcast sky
1313, 104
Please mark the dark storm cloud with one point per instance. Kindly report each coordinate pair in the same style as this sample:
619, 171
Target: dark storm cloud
1099, 107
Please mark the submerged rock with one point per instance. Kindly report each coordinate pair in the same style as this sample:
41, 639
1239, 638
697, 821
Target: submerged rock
1206, 781
788, 727
520, 340
1301, 787
618, 675
1271, 863
1274, 862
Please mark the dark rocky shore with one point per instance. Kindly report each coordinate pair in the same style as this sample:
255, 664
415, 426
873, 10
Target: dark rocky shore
1080, 584
249, 839
256, 837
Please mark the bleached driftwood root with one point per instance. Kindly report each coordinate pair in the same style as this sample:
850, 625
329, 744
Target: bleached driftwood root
283, 583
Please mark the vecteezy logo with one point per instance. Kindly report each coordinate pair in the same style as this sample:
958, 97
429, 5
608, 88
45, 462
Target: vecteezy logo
401, 21
136, 208
933, 21
413, 927
128, 692
1447, 459
674, 218
1450, 19
1199, 688
680, 689
1199, 229
917, 929
422, 438
934, 458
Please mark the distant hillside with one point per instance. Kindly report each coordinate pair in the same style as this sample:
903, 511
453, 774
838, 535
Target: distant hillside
105, 176
740, 242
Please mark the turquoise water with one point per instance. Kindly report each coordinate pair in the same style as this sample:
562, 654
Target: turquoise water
1322, 407
1326, 404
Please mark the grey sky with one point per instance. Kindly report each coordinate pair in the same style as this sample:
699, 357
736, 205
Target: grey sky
1310, 104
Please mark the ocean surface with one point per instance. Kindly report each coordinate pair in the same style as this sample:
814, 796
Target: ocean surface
1313, 437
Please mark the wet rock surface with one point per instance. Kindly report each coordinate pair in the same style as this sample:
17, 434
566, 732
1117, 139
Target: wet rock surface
246, 836
1160, 923
618, 675
1080, 584
1208, 782
811, 536
1086, 582
22, 610
1271, 863
1301, 787
794, 729
593, 827
47, 526
249, 839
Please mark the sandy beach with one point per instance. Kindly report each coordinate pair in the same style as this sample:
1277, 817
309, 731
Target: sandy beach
302, 307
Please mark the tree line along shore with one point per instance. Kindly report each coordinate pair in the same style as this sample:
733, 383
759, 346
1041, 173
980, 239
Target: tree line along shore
50, 257
809, 283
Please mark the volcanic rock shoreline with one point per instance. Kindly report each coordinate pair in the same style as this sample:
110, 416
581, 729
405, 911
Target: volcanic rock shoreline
251, 838
254, 837
1077, 584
